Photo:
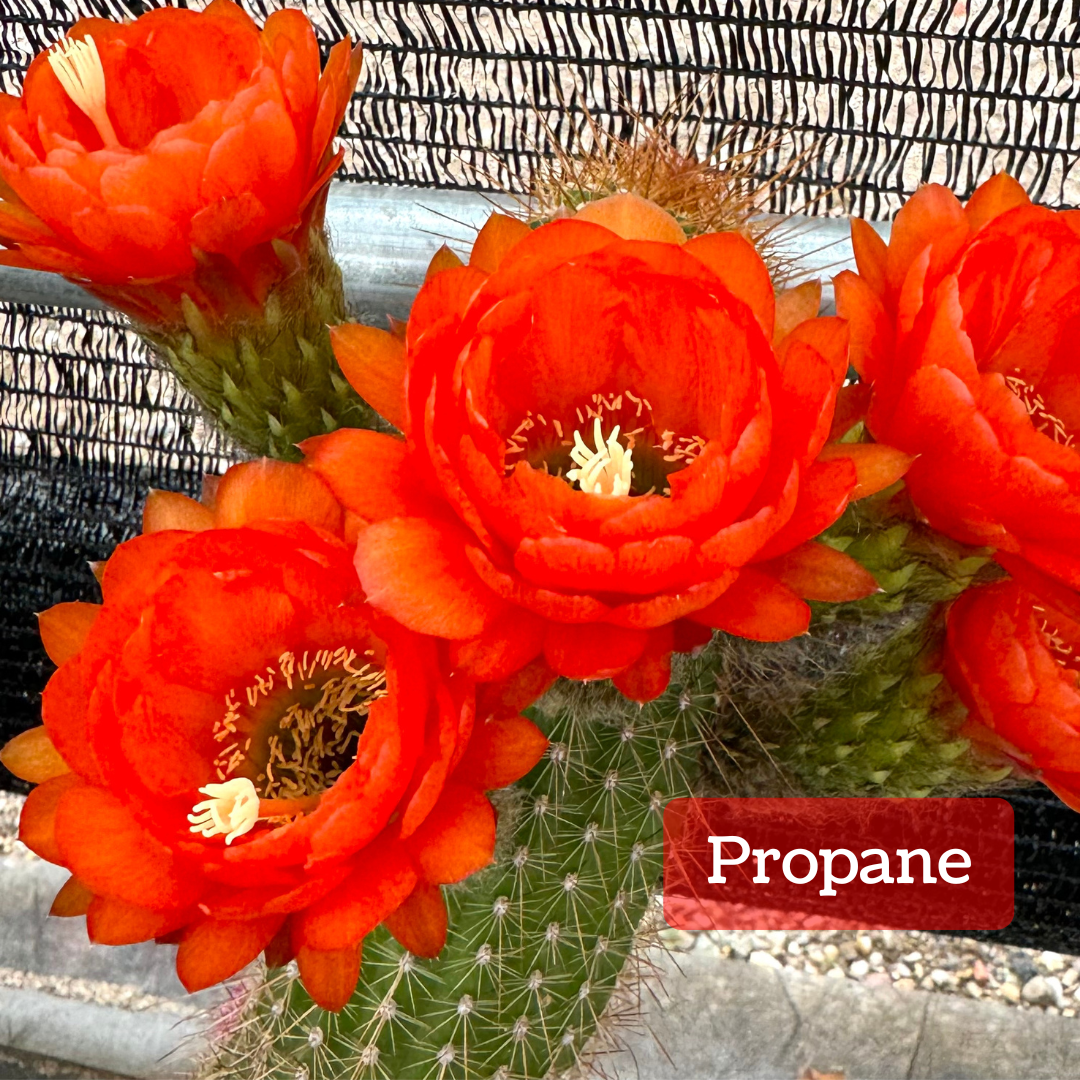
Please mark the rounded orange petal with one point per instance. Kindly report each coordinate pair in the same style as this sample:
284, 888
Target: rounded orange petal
262, 490
170, 510
631, 217
416, 570
329, 977
373, 361
214, 949
64, 627
31, 756
457, 839
500, 752
420, 924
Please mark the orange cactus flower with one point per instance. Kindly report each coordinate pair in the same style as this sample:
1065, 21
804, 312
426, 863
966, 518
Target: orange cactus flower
965, 326
1013, 656
606, 457
239, 755
154, 158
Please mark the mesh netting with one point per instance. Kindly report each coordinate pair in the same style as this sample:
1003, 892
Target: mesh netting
888, 95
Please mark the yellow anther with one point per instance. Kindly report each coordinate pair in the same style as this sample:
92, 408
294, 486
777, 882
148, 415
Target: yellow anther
608, 469
78, 66
232, 809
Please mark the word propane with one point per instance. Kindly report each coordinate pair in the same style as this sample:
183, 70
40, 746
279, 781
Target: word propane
874, 872
788, 864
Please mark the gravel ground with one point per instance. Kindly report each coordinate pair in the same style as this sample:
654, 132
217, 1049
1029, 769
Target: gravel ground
909, 961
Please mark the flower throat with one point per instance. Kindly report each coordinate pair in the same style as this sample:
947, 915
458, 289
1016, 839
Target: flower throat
629, 454
306, 718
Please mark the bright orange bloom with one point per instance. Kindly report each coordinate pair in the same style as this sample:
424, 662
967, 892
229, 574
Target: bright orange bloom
606, 458
1013, 655
171, 152
965, 324
239, 755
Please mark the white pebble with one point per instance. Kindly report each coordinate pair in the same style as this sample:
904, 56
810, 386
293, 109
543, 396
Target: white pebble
1051, 961
765, 959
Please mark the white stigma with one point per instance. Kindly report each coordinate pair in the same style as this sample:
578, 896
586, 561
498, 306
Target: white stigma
232, 809
608, 469
77, 64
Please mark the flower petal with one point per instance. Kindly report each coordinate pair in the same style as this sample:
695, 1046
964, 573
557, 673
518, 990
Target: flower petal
416, 571
31, 756
499, 234
816, 571
757, 607
329, 977
64, 627
262, 490
648, 676
170, 510
420, 924
457, 839
113, 856
72, 900
115, 922
590, 651
735, 261
500, 752
373, 361
383, 878
211, 950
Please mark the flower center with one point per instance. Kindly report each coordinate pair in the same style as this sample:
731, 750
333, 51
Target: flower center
77, 64
1044, 420
298, 733
608, 469
635, 458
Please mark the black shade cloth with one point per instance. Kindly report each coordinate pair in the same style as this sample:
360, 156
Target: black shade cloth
464, 94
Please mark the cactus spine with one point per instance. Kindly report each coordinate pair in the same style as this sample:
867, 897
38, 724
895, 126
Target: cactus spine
537, 941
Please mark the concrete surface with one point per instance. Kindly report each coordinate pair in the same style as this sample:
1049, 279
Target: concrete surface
732, 1020
30, 941
150, 1045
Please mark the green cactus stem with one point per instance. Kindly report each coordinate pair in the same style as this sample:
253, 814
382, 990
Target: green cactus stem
857, 706
270, 379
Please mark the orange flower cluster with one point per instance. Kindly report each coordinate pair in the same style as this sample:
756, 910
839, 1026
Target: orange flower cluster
1013, 654
616, 441
154, 158
239, 754
963, 329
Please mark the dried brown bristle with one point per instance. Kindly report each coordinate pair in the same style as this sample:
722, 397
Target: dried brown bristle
726, 187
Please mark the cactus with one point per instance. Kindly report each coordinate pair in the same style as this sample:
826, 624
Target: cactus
271, 381
537, 942
856, 706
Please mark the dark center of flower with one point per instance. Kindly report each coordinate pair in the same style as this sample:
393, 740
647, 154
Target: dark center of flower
287, 737
609, 446
1043, 419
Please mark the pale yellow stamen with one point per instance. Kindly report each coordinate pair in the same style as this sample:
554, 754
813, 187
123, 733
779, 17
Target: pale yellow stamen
1044, 420
232, 809
78, 66
608, 469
